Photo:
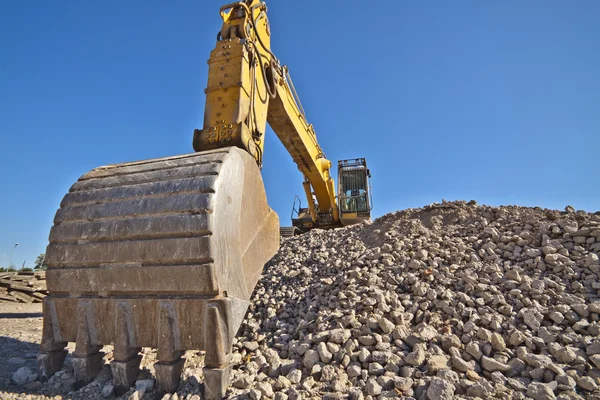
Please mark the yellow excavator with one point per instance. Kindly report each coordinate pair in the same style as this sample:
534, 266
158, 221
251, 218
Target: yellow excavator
165, 253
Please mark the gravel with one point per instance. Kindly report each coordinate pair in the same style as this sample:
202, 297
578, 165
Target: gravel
452, 300
449, 301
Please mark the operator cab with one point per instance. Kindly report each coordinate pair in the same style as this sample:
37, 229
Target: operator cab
354, 191
353, 199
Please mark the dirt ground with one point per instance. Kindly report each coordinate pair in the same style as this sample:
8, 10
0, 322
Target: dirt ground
20, 334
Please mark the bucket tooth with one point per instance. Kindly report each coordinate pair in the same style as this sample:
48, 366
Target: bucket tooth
168, 375
126, 364
168, 333
218, 325
216, 382
170, 364
216, 333
87, 358
52, 349
124, 373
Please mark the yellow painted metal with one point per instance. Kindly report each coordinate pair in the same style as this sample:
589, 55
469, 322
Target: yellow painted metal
237, 98
247, 87
300, 140
311, 203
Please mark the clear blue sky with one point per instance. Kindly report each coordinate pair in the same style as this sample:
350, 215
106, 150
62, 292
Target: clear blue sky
497, 101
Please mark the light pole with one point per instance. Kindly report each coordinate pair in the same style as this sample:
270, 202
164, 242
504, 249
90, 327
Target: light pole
11, 255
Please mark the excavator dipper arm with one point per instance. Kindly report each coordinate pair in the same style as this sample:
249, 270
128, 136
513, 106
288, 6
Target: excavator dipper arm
248, 87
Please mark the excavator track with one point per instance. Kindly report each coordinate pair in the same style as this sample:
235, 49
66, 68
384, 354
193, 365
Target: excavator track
162, 253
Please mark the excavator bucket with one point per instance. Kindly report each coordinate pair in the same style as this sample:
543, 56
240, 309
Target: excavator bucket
161, 253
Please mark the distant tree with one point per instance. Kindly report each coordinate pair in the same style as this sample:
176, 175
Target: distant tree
26, 269
40, 262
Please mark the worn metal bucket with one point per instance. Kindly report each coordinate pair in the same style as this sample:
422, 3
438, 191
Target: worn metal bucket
161, 253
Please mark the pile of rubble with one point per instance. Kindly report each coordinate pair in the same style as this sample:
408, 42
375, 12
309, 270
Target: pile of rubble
442, 302
449, 301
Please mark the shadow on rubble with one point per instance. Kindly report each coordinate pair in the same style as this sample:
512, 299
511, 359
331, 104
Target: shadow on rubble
15, 355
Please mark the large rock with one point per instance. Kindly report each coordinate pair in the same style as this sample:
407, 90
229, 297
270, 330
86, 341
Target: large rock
20, 376
440, 389
540, 391
491, 365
